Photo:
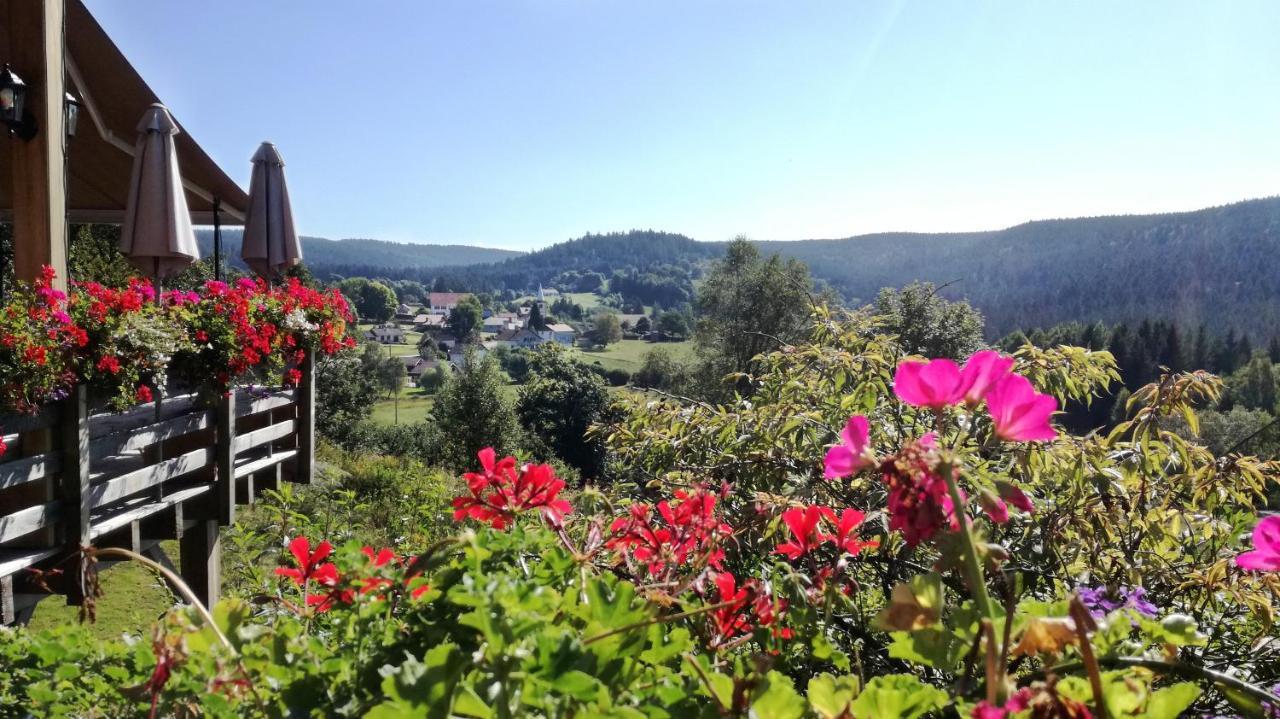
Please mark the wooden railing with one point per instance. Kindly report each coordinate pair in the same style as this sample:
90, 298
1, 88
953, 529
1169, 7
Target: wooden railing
173, 470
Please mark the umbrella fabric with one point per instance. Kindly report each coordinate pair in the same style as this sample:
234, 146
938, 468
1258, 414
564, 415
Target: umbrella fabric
156, 235
270, 240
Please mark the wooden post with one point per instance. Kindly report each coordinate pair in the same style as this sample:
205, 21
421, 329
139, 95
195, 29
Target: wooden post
305, 396
73, 483
225, 458
36, 51
201, 560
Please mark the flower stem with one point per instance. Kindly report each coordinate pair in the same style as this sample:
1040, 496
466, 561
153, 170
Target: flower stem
972, 565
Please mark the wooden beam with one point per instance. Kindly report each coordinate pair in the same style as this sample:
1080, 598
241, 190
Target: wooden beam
201, 560
36, 48
225, 457
305, 396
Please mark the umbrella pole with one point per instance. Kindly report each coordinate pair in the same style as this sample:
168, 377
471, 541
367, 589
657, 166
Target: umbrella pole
217, 240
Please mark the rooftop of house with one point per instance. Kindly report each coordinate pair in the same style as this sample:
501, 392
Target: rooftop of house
440, 299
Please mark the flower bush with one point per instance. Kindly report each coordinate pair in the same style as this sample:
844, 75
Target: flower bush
123, 342
869, 535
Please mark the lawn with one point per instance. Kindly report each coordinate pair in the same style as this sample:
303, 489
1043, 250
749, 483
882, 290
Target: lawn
414, 407
629, 354
588, 300
132, 599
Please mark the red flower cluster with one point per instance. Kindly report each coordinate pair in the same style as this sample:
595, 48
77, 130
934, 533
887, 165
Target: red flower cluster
374, 585
323, 586
253, 326
500, 492
689, 528
748, 606
806, 531
919, 504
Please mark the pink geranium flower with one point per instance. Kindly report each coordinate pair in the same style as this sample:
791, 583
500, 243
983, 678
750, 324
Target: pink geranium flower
981, 372
1019, 412
1265, 556
851, 454
934, 384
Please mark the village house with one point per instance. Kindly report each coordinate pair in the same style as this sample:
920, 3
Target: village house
388, 334
430, 322
500, 323
458, 353
520, 338
415, 367
445, 301
561, 333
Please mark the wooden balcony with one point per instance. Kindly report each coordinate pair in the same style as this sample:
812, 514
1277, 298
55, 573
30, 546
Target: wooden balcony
173, 470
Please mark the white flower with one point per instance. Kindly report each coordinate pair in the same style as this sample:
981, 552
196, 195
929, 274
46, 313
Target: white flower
297, 320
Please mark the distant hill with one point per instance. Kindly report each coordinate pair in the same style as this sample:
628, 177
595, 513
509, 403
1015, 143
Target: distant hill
1220, 266
367, 257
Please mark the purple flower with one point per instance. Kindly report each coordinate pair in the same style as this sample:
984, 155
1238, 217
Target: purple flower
1101, 601
1135, 597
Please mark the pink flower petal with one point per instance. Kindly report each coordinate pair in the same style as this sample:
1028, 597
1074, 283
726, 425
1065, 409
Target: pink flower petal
1266, 542
839, 462
1019, 413
981, 372
855, 434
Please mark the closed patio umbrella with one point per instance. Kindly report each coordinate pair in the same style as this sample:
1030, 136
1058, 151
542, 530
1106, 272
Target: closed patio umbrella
156, 235
270, 240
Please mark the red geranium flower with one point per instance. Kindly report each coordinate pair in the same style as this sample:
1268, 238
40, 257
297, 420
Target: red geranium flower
804, 524
311, 565
500, 492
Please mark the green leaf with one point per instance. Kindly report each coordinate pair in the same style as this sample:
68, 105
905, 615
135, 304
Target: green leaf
897, 696
777, 699
468, 703
1171, 701
424, 688
830, 696
577, 684
1179, 630
933, 647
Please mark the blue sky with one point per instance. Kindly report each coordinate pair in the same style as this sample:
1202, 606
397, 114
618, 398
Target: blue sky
519, 124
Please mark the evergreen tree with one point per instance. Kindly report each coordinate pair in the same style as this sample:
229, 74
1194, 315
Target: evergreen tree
1201, 354
536, 322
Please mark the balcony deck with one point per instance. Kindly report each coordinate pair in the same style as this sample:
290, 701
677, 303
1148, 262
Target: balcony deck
172, 470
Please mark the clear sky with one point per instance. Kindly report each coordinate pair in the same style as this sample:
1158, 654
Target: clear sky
519, 124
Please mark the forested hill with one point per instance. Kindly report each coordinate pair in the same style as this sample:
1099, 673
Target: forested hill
367, 257
1219, 265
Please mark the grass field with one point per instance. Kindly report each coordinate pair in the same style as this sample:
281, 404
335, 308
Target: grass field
588, 300
629, 354
132, 599
414, 407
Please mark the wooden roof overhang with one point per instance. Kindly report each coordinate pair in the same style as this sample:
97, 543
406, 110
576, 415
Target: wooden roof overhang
100, 155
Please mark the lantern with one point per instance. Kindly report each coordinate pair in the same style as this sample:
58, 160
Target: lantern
13, 95
73, 114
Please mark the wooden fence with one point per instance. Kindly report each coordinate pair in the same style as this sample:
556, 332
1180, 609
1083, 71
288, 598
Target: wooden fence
173, 470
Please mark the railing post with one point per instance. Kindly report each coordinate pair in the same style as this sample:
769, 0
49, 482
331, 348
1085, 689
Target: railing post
201, 558
305, 397
73, 482
225, 458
